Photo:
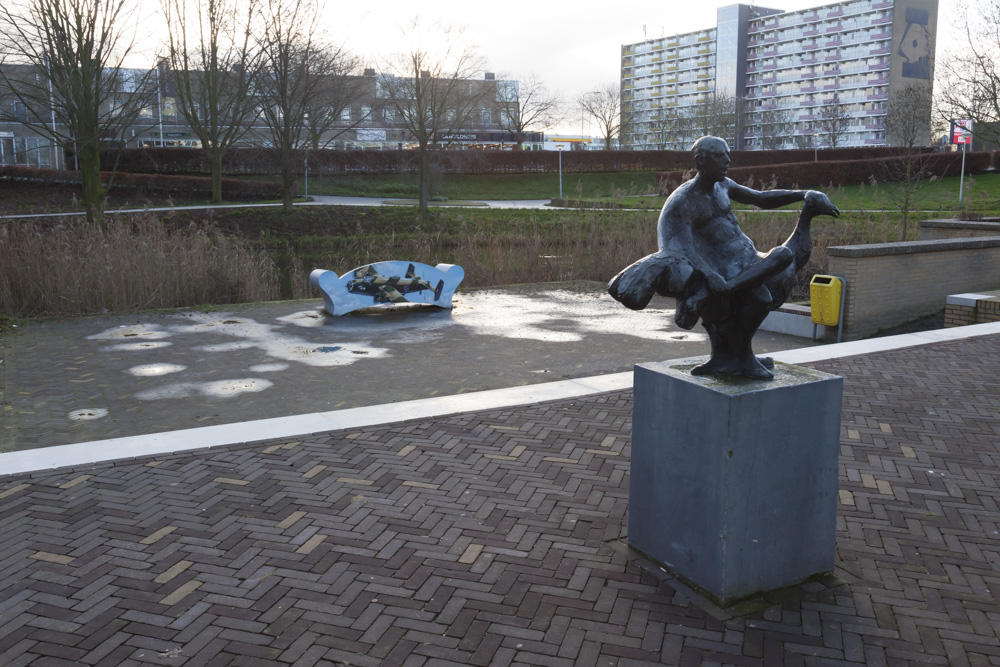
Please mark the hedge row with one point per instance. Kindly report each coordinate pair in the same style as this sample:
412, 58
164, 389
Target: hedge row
839, 172
336, 162
150, 184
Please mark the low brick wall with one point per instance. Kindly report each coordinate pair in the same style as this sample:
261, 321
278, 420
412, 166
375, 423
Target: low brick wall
934, 230
892, 283
965, 309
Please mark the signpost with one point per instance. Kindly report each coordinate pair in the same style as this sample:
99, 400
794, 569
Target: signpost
961, 133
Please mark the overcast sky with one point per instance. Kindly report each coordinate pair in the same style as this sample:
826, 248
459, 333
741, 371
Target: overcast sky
573, 47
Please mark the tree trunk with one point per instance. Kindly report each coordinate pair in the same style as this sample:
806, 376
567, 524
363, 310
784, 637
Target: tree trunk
89, 161
287, 181
424, 177
215, 167
907, 190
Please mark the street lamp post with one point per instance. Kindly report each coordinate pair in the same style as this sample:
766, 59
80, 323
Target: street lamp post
815, 146
560, 171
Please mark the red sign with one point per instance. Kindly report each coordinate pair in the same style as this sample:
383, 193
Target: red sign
961, 131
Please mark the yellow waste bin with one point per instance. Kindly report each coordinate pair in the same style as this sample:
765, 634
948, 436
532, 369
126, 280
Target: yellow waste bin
824, 299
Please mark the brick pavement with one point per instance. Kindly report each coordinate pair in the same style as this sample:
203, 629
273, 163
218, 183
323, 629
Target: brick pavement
496, 538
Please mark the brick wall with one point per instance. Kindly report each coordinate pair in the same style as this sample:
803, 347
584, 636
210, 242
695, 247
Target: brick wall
893, 283
933, 230
986, 309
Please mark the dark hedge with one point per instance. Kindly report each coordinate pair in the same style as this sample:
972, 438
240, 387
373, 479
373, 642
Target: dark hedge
152, 184
263, 161
839, 172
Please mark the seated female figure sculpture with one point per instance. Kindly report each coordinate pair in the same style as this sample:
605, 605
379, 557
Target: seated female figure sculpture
713, 269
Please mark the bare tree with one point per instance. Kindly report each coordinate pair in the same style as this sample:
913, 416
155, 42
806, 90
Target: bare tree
64, 66
340, 87
834, 123
213, 57
776, 127
658, 128
604, 106
526, 104
292, 77
433, 95
908, 125
969, 85
718, 115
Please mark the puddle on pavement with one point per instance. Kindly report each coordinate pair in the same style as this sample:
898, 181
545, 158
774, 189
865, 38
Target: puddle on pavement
87, 414
136, 347
154, 370
217, 389
551, 316
268, 368
123, 332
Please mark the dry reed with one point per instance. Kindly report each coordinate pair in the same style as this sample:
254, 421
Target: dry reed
126, 264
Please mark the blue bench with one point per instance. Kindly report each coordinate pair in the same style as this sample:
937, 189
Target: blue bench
387, 283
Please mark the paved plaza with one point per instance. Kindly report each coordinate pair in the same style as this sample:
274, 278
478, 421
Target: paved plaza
93, 378
497, 537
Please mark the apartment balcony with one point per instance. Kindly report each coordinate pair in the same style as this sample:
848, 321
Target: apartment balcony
879, 66
835, 13
770, 79
833, 86
882, 5
810, 61
807, 103
835, 56
751, 69
812, 46
830, 100
833, 71
807, 116
875, 142
881, 51
882, 35
770, 67
878, 82
704, 38
877, 96
808, 89
835, 28
884, 19
875, 112
810, 33
875, 127
810, 18
834, 42
769, 40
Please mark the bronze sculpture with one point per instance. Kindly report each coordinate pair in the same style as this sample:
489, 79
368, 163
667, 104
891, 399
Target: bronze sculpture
713, 269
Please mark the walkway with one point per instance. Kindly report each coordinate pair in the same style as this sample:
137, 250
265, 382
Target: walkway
498, 537
316, 200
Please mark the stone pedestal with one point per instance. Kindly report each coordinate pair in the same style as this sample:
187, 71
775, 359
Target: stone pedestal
734, 481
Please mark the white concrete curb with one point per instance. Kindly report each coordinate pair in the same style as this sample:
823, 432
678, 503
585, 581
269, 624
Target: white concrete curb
99, 451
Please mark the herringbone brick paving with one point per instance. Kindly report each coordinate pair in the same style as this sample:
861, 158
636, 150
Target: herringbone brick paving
496, 538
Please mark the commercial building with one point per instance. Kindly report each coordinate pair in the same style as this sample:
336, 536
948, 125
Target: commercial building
369, 120
776, 79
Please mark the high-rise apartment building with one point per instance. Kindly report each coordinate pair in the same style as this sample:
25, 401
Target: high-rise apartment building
764, 78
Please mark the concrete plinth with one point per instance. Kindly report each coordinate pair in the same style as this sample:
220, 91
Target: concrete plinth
734, 481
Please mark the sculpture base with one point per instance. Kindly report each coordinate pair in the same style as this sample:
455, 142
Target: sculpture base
734, 481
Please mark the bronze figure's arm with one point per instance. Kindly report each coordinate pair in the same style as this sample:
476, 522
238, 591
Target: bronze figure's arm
767, 199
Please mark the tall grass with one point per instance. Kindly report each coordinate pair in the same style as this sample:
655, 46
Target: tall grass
126, 264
